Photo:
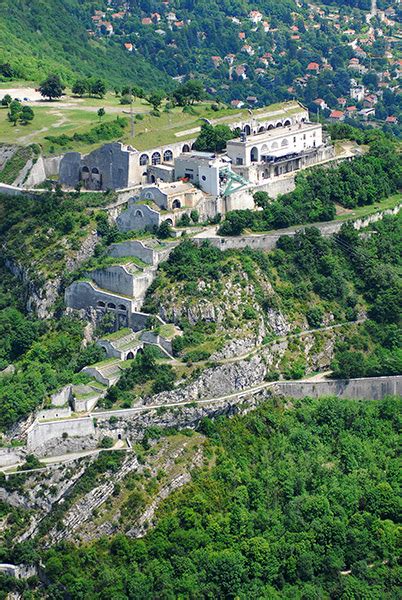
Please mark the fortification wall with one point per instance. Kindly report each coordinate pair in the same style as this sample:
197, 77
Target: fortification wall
370, 388
11, 456
134, 248
47, 438
137, 217
41, 433
118, 279
268, 241
54, 413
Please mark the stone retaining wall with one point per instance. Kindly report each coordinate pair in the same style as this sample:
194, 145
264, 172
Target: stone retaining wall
268, 241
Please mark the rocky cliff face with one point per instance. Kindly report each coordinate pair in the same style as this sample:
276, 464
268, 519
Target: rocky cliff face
231, 302
40, 292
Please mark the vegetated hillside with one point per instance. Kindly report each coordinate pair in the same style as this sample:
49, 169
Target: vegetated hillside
51, 36
301, 503
309, 281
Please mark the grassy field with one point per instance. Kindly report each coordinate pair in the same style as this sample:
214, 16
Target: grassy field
364, 211
72, 115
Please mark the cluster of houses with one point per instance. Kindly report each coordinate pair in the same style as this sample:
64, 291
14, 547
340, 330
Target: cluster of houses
251, 61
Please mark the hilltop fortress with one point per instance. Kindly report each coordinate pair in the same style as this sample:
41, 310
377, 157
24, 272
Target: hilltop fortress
175, 178
163, 184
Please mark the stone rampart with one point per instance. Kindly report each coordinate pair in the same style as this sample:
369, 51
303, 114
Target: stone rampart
53, 438
370, 388
268, 241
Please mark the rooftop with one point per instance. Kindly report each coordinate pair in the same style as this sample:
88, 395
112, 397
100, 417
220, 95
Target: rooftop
275, 133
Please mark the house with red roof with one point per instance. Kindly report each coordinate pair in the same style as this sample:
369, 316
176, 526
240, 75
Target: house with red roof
313, 66
337, 115
255, 16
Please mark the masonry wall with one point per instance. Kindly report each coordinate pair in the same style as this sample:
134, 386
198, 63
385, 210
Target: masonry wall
134, 248
118, 279
42, 432
370, 388
138, 217
268, 241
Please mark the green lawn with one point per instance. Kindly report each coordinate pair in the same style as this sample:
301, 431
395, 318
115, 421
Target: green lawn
70, 115
364, 211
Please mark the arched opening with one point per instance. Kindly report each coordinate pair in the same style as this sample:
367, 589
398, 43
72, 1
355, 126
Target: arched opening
193, 146
139, 214
111, 305
140, 351
130, 356
264, 149
276, 171
279, 124
95, 171
284, 143
287, 123
144, 159
176, 203
168, 156
275, 146
153, 179
254, 154
247, 129
186, 148
119, 436
85, 173
156, 158
169, 222
261, 129
270, 126
101, 304
122, 307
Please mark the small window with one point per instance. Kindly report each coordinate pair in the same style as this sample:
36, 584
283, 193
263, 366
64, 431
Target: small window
239, 161
203, 178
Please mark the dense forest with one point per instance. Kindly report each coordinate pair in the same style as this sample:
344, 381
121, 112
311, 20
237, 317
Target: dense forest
300, 503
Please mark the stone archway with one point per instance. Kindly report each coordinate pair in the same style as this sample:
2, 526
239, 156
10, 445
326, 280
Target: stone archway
254, 154
247, 129
176, 203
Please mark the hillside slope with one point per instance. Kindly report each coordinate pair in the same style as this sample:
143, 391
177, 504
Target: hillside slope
43, 36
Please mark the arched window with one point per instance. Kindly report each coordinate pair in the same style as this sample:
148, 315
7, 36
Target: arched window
274, 146
101, 304
122, 307
261, 129
284, 143
85, 170
95, 171
247, 129
168, 156
279, 124
130, 356
144, 159
156, 158
186, 148
287, 123
139, 214
264, 149
270, 126
176, 203
254, 154
111, 305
